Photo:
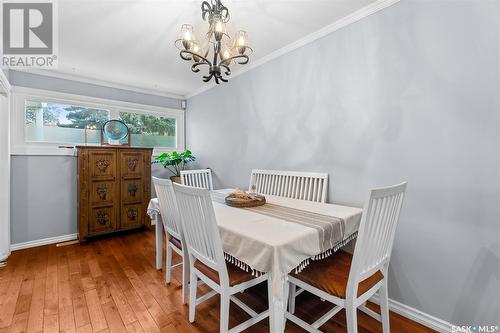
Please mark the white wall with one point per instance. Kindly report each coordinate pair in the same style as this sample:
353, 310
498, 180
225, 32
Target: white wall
4, 170
409, 93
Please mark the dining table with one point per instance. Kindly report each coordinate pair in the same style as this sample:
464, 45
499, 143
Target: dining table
282, 236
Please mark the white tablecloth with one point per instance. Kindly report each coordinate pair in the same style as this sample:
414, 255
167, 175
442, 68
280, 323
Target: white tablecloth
270, 244
154, 210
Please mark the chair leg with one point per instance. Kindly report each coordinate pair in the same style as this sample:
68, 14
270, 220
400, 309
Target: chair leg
384, 307
185, 277
193, 286
224, 312
352, 320
169, 263
291, 298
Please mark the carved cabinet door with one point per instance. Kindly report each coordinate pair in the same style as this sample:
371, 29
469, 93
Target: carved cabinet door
132, 166
99, 177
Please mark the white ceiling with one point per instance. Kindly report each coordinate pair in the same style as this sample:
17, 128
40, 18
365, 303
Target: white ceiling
132, 42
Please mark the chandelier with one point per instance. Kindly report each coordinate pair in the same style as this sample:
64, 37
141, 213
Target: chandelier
224, 52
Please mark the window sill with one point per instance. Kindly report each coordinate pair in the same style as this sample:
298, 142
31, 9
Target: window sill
65, 150
42, 151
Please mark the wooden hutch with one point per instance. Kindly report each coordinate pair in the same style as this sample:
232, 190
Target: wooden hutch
114, 189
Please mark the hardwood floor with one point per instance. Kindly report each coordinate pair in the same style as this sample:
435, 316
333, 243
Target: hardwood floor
111, 285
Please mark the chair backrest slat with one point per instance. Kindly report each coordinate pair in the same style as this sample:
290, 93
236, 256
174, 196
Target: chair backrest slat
376, 233
290, 184
200, 228
168, 207
197, 178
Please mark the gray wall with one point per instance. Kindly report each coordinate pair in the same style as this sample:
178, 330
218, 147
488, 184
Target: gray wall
409, 93
43, 197
44, 189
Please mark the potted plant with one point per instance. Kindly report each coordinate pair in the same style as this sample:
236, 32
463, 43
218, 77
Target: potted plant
175, 162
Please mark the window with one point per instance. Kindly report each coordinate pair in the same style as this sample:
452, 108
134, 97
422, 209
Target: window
51, 123
150, 130
61, 123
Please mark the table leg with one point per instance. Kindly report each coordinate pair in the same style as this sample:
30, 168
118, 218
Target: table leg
278, 292
159, 243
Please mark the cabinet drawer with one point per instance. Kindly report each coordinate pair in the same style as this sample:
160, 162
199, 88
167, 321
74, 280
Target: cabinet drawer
132, 191
102, 219
102, 164
131, 164
102, 193
132, 216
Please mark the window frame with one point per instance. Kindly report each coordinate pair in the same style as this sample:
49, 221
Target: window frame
20, 95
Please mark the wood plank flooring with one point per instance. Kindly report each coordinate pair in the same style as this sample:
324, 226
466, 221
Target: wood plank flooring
111, 285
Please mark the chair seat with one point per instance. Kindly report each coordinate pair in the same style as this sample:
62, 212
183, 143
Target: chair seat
236, 274
177, 243
331, 275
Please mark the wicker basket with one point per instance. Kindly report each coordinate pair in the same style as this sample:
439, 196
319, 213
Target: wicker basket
243, 203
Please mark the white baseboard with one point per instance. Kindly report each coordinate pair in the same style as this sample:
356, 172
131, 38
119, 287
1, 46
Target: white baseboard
4, 256
44, 241
417, 316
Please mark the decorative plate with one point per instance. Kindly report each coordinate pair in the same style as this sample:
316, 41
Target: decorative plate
115, 130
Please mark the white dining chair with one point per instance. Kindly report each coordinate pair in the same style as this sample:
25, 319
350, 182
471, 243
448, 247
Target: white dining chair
348, 281
206, 259
173, 231
197, 178
308, 186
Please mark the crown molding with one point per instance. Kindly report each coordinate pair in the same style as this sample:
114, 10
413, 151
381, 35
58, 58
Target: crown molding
339, 24
98, 82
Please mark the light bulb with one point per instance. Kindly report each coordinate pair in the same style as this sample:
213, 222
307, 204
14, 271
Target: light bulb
186, 37
219, 27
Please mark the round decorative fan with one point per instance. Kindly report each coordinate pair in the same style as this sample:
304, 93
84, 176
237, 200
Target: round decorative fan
114, 131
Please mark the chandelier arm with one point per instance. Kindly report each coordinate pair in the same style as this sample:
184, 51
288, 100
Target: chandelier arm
224, 12
188, 55
206, 8
207, 78
243, 62
228, 70
196, 64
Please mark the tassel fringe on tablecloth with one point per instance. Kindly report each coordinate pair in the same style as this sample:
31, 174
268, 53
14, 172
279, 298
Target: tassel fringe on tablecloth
325, 254
247, 268
238, 263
